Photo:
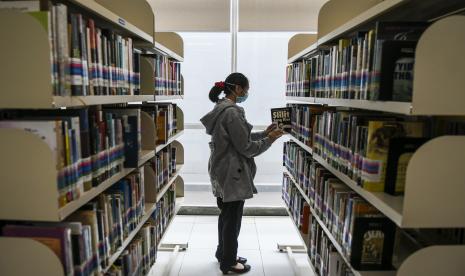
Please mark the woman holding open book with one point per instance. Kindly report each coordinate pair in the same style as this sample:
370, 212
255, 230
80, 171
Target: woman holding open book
231, 166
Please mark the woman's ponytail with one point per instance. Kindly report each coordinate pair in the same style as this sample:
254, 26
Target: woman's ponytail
215, 92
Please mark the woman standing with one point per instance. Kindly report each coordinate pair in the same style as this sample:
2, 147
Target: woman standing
231, 166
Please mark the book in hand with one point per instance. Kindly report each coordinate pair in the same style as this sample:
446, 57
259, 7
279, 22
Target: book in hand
282, 117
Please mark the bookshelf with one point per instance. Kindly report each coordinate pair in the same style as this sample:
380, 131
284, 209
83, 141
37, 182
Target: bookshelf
425, 204
149, 209
32, 196
45, 207
431, 67
299, 45
36, 92
417, 208
330, 235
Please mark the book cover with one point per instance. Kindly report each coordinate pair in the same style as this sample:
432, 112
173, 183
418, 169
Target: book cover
377, 147
282, 117
392, 77
400, 152
372, 243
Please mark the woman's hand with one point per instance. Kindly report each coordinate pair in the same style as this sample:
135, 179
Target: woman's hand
270, 128
275, 134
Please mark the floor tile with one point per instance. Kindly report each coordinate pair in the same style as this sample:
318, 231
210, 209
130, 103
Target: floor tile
187, 219
214, 219
204, 236
200, 262
248, 238
178, 232
162, 261
272, 231
276, 264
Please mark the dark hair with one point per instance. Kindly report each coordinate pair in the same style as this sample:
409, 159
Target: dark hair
229, 83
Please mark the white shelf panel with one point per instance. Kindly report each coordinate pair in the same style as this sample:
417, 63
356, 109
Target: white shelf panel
162, 192
75, 101
166, 51
383, 106
162, 98
114, 19
146, 155
301, 99
170, 140
303, 53
390, 206
302, 145
331, 237
361, 19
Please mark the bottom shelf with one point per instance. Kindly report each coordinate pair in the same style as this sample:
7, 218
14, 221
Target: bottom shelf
331, 237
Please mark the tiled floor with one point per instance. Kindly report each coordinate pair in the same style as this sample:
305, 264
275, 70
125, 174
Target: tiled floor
262, 199
257, 242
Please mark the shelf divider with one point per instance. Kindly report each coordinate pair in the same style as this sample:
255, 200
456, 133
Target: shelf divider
24, 256
435, 260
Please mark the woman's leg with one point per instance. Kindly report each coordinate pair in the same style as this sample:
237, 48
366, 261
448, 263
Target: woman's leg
219, 248
232, 216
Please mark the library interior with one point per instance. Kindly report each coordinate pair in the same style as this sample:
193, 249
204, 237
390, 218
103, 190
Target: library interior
224, 137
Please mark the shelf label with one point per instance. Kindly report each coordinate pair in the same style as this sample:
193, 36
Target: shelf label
121, 21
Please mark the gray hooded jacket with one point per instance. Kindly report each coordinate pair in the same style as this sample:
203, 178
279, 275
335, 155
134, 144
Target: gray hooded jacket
233, 148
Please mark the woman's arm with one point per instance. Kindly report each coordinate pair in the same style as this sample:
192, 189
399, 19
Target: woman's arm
241, 138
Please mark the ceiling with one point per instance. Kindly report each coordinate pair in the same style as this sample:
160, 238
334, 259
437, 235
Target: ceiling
254, 15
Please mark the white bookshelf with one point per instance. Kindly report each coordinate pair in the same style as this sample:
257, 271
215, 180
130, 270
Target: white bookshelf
117, 21
27, 85
302, 145
330, 235
162, 49
425, 203
149, 209
303, 53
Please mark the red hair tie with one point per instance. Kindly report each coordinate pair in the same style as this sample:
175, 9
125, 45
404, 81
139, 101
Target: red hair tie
220, 84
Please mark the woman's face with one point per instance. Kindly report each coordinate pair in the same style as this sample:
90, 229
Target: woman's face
239, 91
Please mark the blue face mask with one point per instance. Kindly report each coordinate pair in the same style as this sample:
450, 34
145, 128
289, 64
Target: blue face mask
241, 99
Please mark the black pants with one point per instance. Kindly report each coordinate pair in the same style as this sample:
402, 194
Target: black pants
229, 226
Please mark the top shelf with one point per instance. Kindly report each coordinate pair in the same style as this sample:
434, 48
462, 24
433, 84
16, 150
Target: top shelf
387, 10
404, 108
160, 48
114, 19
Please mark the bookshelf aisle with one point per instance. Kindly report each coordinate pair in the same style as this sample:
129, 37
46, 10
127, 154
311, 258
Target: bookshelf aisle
373, 176
88, 135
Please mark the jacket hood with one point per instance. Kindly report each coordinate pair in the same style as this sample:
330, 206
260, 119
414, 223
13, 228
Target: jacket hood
209, 120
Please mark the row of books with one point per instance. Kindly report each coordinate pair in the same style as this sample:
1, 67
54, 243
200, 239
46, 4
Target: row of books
168, 80
88, 145
372, 149
323, 255
303, 120
165, 211
165, 118
298, 79
85, 241
372, 65
365, 235
164, 166
138, 258
86, 59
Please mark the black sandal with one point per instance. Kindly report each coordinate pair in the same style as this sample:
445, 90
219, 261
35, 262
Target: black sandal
237, 271
239, 259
